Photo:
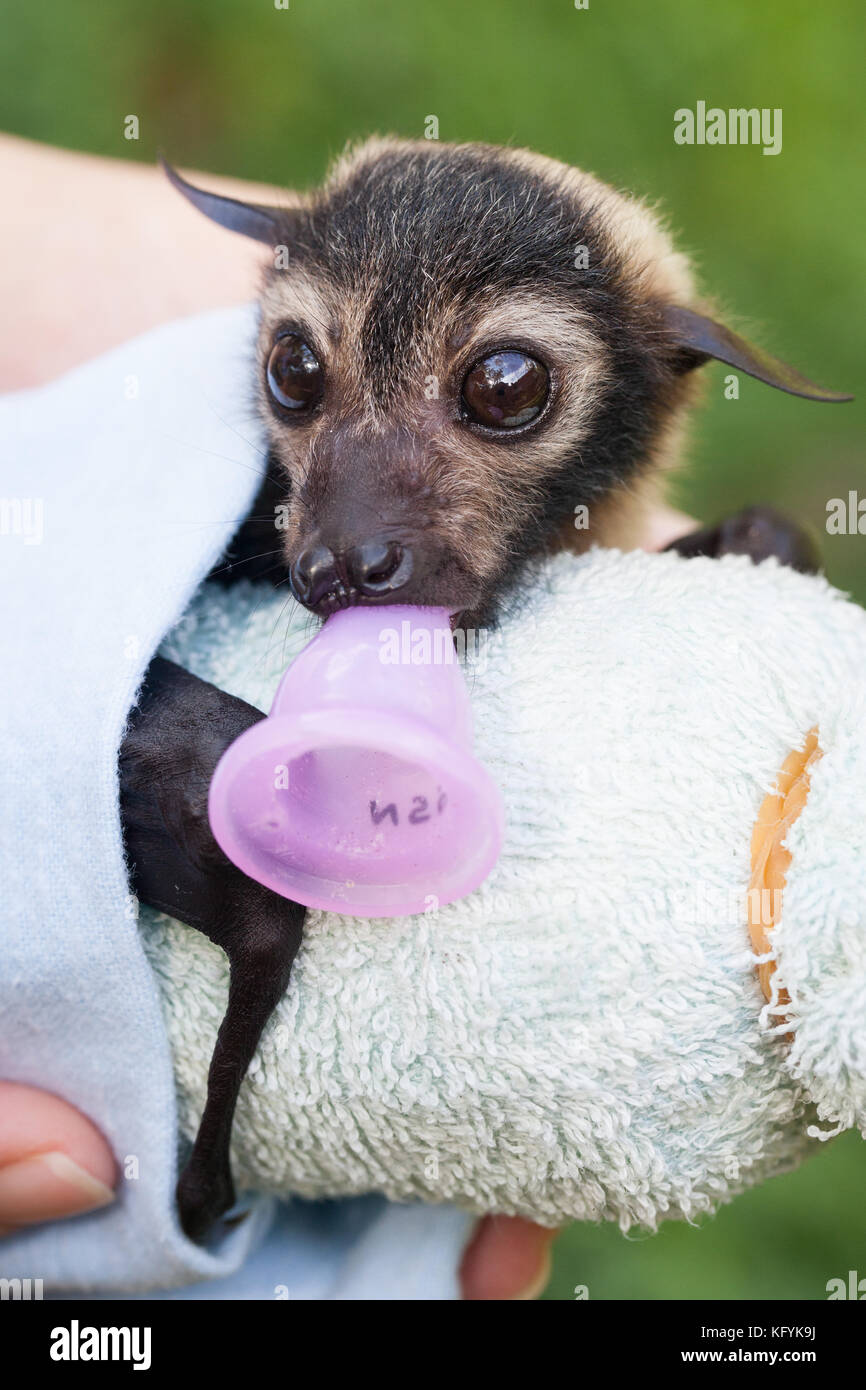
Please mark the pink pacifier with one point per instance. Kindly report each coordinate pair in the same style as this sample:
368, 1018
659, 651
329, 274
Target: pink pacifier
359, 792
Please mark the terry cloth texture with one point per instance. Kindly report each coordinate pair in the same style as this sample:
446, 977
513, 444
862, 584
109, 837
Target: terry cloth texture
122, 484
585, 1036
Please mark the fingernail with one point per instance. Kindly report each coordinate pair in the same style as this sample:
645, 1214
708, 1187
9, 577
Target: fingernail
538, 1284
508, 1258
46, 1186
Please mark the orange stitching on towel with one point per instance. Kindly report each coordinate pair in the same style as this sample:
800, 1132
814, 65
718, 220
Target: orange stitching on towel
770, 859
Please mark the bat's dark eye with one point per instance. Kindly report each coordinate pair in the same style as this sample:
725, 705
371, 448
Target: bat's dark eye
505, 390
294, 373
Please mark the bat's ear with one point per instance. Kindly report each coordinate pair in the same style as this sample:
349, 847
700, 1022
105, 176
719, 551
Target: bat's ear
698, 339
250, 219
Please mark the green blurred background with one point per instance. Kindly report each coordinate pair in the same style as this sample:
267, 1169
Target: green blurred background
240, 87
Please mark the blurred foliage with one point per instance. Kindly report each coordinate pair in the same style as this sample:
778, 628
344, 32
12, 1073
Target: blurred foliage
784, 1240
245, 88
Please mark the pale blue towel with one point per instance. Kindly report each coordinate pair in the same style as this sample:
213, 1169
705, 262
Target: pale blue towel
121, 484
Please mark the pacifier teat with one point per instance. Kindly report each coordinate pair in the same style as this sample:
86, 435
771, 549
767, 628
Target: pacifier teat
359, 793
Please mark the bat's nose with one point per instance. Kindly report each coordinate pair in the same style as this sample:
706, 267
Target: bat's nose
371, 569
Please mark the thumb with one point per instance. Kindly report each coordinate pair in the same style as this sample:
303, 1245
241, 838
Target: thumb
53, 1161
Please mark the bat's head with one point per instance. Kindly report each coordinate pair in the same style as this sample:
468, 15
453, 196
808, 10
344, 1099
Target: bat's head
461, 348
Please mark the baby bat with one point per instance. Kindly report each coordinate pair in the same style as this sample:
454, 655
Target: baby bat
467, 357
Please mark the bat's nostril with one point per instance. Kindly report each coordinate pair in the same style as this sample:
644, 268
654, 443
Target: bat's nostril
379, 567
313, 575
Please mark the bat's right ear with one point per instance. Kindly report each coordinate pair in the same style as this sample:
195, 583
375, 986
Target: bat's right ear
700, 338
250, 219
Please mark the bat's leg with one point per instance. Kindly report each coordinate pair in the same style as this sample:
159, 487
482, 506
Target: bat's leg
759, 532
175, 737
261, 945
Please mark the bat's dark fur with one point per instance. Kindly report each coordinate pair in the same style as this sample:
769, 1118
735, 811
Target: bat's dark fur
412, 264
174, 741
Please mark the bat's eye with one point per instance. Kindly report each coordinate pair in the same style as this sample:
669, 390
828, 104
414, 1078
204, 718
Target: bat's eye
294, 373
505, 390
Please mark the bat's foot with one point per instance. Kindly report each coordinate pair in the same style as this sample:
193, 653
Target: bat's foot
760, 533
202, 1197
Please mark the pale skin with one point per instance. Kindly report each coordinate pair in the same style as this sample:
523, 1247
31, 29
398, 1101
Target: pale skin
92, 252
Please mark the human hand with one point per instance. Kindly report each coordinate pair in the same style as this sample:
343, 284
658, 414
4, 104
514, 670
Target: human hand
507, 1259
54, 1162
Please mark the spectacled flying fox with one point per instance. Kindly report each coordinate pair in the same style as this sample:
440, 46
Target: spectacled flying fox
461, 348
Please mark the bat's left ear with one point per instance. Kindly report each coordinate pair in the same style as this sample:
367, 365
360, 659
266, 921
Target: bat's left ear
699, 338
250, 219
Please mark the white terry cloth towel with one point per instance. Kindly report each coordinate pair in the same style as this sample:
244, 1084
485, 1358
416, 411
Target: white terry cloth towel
585, 1036
121, 484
